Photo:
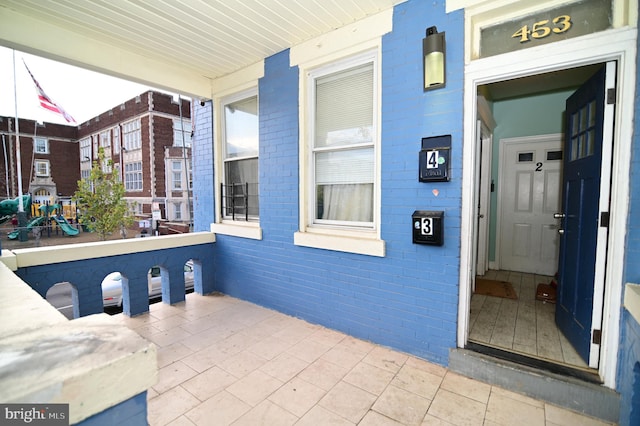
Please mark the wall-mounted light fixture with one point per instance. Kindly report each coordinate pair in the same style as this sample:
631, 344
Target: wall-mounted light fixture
433, 53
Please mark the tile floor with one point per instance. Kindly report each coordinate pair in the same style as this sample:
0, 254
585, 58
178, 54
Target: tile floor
223, 361
525, 325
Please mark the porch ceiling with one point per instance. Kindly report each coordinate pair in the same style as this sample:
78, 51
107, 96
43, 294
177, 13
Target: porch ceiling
180, 45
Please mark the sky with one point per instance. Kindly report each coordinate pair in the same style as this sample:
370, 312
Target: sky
82, 93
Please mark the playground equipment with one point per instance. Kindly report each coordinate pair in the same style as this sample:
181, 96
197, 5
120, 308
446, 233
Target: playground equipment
10, 207
65, 226
36, 221
47, 212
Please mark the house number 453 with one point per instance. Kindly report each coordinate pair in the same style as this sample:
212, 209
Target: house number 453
542, 29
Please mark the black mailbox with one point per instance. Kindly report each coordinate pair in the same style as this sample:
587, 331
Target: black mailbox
434, 159
428, 227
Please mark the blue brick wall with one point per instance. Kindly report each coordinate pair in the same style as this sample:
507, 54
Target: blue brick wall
632, 266
86, 277
629, 353
132, 412
408, 299
202, 166
629, 371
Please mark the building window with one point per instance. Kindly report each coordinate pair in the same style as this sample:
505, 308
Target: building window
116, 140
240, 147
105, 141
131, 135
134, 208
133, 176
85, 149
41, 146
343, 145
177, 211
42, 168
106, 165
182, 133
340, 151
85, 173
176, 175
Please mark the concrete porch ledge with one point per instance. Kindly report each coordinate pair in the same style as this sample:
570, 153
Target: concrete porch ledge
92, 363
72, 252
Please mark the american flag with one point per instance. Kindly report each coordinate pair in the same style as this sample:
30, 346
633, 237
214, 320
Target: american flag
46, 102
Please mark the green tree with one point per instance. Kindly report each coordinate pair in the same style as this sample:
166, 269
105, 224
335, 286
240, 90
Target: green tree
100, 200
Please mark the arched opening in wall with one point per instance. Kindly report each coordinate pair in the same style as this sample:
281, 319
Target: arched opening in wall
41, 196
61, 297
189, 275
158, 278
193, 276
112, 297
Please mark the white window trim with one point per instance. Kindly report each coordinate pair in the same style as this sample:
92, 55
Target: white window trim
225, 87
250, 230
136, 124
46, 145
105, 140
115, 132
48, 167
352, 240
174, 181
239, 96
177, 128
141, 172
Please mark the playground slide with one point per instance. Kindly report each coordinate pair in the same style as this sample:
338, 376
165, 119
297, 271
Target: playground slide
9, 207
36, 221
65, 226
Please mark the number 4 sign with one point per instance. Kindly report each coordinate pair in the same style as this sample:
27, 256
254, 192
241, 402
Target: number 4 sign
434, 165
432, 159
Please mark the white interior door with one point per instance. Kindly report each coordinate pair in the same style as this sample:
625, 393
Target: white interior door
529, 195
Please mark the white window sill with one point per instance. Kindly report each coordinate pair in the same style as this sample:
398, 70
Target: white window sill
240, 229
348, 244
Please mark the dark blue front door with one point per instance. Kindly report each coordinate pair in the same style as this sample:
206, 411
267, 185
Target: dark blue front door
581, 192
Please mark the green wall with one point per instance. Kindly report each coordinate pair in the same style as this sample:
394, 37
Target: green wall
525, 116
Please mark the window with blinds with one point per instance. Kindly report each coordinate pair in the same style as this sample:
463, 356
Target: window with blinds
344, 146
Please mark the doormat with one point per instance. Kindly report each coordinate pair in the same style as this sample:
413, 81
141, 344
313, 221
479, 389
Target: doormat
495, 288
547, 293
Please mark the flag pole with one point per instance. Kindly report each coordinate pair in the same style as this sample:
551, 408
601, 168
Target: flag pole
22, 217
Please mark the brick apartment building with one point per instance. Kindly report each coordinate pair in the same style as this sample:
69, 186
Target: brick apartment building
149, 147
148, 144
49, 159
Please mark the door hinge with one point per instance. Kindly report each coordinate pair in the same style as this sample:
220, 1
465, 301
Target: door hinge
597, 336
604, 219
611, 96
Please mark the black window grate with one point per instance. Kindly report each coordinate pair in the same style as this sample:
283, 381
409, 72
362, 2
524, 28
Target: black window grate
238, 202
